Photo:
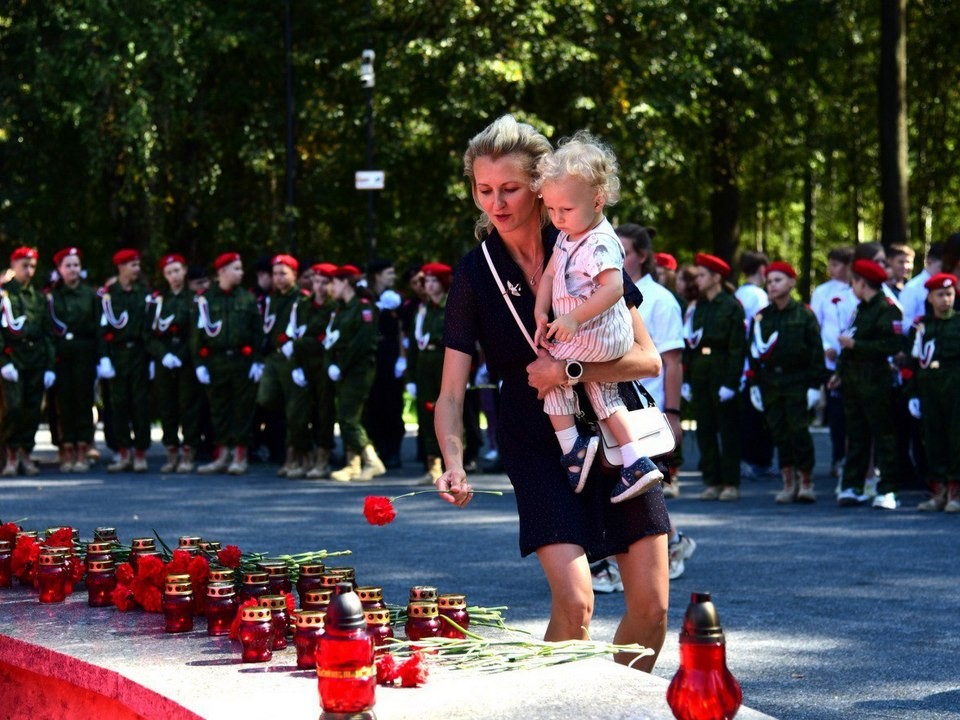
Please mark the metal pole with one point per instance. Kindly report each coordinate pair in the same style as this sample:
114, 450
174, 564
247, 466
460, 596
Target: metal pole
291, 160
371, 194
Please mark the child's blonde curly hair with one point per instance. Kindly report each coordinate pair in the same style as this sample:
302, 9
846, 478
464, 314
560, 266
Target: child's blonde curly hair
583, 156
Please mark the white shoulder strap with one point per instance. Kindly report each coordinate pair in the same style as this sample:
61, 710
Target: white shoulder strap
506, 297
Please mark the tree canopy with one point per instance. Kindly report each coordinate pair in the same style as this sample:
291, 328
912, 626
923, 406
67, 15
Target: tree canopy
161, 125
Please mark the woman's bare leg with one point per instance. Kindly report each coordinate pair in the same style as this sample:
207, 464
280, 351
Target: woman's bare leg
646, 587
571, 591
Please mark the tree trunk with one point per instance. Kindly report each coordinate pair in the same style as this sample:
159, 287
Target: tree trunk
724, 193
893, 122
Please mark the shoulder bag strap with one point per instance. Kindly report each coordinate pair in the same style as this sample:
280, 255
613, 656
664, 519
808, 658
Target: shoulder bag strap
506, 297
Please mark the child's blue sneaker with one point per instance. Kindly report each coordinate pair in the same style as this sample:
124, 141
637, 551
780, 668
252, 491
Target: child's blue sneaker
577, 462
636, 480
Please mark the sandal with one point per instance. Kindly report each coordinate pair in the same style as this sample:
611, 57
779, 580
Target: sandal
577, 462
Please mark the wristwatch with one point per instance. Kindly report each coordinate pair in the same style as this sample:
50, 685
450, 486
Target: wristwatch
574, 371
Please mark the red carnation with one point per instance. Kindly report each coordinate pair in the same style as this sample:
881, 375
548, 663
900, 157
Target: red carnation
108, 336
291, 603
61, 538
413, 672
180, 565
282, 338
23, 563
235, 625
124, 574
378, 510
246, 351
906, 374
203, 352
229, 556
8, 531
835, 301
151, 599
387, 671
122, 597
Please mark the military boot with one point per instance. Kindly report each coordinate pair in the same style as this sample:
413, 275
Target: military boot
68, 455
140, 461
806, 494
372, 464
434, 471
239, 464
13, 465
789, 492
185, 465
122, 463
301, 463
350, 471
937, 500
321, 465
81, 464
288, 462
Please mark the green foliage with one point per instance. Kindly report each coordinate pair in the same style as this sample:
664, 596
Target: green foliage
162, 125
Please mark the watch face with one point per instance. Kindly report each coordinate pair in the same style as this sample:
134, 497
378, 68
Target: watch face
574, 369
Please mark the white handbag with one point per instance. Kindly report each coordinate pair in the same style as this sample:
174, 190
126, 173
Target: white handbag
647, 423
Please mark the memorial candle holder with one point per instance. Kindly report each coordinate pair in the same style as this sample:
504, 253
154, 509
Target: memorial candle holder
101, 580
221, 607
309, 625
453, 607
256, 634
52, 577
177, 604
279, 617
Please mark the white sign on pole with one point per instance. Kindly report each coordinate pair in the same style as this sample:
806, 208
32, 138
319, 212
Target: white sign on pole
369, 180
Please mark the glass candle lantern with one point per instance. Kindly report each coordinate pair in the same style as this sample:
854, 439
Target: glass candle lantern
254, 585
107, 535
309, 625
279, 617
139, 547
703, 688
453, 607
309, 578
99, 552
6, 558
370, 597
221, 607
330, 580
422, 621
347, 574
52, 577
185, 541
210, 547
378, 625
101, 580
221, 575
278, 576
256, 634
316, 599
426, 593
177, 605
347, 676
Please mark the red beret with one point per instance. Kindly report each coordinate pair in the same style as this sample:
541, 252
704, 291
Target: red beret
437, 270
289, 260
781, 266
325, 269
122, 257
347, 271
170, 259
941, 280
62, 255
665, 260
24, 252
870, 270
713, 263
225, 259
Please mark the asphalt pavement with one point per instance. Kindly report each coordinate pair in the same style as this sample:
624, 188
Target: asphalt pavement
828, 612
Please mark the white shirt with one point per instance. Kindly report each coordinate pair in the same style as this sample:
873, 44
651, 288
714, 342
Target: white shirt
660, 312
753, 299
834, 304
914, 296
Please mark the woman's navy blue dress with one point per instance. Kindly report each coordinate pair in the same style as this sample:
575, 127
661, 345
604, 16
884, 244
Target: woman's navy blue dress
549, 510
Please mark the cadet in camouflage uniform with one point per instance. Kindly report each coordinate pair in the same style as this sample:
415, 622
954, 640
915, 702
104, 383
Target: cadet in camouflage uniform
787, 369
714, 356
75, 316
310, 356
27, 364
176, 390
351, 364
124, 361
278, 391
227, 334
864, 370
425, 360
934, 391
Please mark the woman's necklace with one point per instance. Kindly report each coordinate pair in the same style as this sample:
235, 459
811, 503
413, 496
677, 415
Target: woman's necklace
532, 279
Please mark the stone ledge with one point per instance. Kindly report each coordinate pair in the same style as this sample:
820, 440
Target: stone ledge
128, 660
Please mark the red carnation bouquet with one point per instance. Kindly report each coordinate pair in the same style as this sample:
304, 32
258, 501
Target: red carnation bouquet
379, 510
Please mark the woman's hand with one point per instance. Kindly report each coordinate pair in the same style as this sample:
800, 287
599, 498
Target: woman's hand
454, 488
845, 341
545, 373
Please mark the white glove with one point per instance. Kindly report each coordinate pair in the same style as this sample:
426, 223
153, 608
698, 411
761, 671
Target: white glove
333, 372
389, 300
256, 372
152, 370
756, 398
726, 394
9, 372
399, 367
287, 349
813, 397
171, 361
203, 375
412, 390
686, 393
49, 378
299, 377
483, 375
913, 405
105, 369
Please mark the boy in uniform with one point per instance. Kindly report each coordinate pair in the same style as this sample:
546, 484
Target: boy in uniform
27, 364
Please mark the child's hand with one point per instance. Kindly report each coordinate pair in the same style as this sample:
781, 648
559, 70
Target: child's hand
563, 328
540, 335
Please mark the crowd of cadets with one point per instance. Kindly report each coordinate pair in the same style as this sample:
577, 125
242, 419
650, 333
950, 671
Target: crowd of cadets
279, 365
878, 350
